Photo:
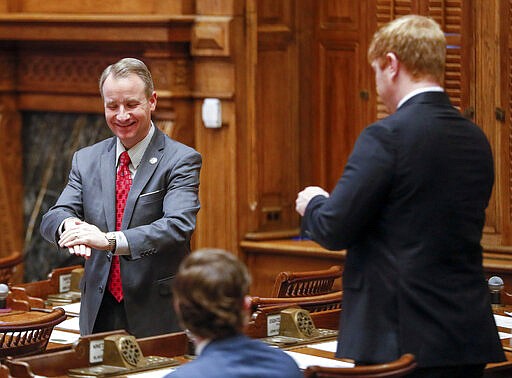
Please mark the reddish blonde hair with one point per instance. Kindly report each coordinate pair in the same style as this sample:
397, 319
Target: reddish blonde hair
417, 41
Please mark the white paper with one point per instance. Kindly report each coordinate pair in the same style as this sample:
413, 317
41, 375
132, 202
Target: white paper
328, 346
504, 335
305, 360
152, 374
503, 321
63, 337
70, 324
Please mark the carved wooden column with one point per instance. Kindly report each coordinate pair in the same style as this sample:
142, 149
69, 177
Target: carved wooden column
11, 188
216, 75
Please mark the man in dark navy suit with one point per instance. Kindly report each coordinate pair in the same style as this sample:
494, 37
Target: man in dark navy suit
410, 209
210, 297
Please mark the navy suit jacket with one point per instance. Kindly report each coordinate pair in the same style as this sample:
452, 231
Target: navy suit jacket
410, 209
158, 221
239, 357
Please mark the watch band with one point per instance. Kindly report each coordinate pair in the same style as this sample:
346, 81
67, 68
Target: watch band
112, 241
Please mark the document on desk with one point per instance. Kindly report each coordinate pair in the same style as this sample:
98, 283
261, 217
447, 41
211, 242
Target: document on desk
305, 360
504, 335
63, 337
328, 346
503, 321
70, 324
159, 373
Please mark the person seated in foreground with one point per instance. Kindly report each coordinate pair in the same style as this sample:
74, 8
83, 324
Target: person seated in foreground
211, 301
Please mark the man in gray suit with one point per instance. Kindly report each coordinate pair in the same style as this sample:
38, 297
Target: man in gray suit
154, 226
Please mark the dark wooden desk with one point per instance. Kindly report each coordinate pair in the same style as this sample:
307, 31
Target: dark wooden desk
176, 345
502, 369
266, 259
57, 364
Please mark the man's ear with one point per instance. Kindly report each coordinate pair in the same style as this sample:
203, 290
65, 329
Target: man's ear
247, 303
392, 63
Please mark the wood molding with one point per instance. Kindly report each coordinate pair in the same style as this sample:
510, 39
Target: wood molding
211, 36
97, 28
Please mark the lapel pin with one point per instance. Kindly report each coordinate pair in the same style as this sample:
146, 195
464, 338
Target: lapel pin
153, 160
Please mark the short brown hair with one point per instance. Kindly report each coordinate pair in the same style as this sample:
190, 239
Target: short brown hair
125, 67
209, 291
417, 41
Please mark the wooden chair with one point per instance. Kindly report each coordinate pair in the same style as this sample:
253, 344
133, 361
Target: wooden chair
8, 265
303, 284
313, 303
38, 292
19, 300
257, 326
398, 368
324, 310
4, 372
29, 336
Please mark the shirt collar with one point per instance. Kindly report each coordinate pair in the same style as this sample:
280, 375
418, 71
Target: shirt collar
201, 345
418, 91
137, 151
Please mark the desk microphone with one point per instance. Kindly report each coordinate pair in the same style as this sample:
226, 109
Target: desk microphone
496, 285
4, 292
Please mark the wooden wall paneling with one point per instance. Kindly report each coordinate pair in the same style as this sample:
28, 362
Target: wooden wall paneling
173, 75
214, 76
506, 64
221, 7
217, 219
489, 97
305, 32
276, 143
100, 6
341, 80
504, 102
11, 179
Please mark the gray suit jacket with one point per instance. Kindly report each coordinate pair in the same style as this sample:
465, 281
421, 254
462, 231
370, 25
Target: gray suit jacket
159, 219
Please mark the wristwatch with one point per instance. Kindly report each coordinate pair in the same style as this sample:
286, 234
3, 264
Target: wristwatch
111, 238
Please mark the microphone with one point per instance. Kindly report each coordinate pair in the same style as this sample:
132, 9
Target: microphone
4, 292
496, 285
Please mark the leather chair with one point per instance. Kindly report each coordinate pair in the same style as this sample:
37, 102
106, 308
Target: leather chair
398, 368
308, 283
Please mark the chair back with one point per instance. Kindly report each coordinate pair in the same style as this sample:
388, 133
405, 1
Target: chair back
398, 368
27, 337
314, 303
4, 372
8, 265
303, 284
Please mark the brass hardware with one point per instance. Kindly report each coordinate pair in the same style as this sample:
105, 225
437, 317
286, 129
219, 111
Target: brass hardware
469, 112
500, 114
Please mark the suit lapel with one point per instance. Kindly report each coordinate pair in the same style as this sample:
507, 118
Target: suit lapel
108, 185
145, 171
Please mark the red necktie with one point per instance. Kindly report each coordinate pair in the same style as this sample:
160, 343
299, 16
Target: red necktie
123, 184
